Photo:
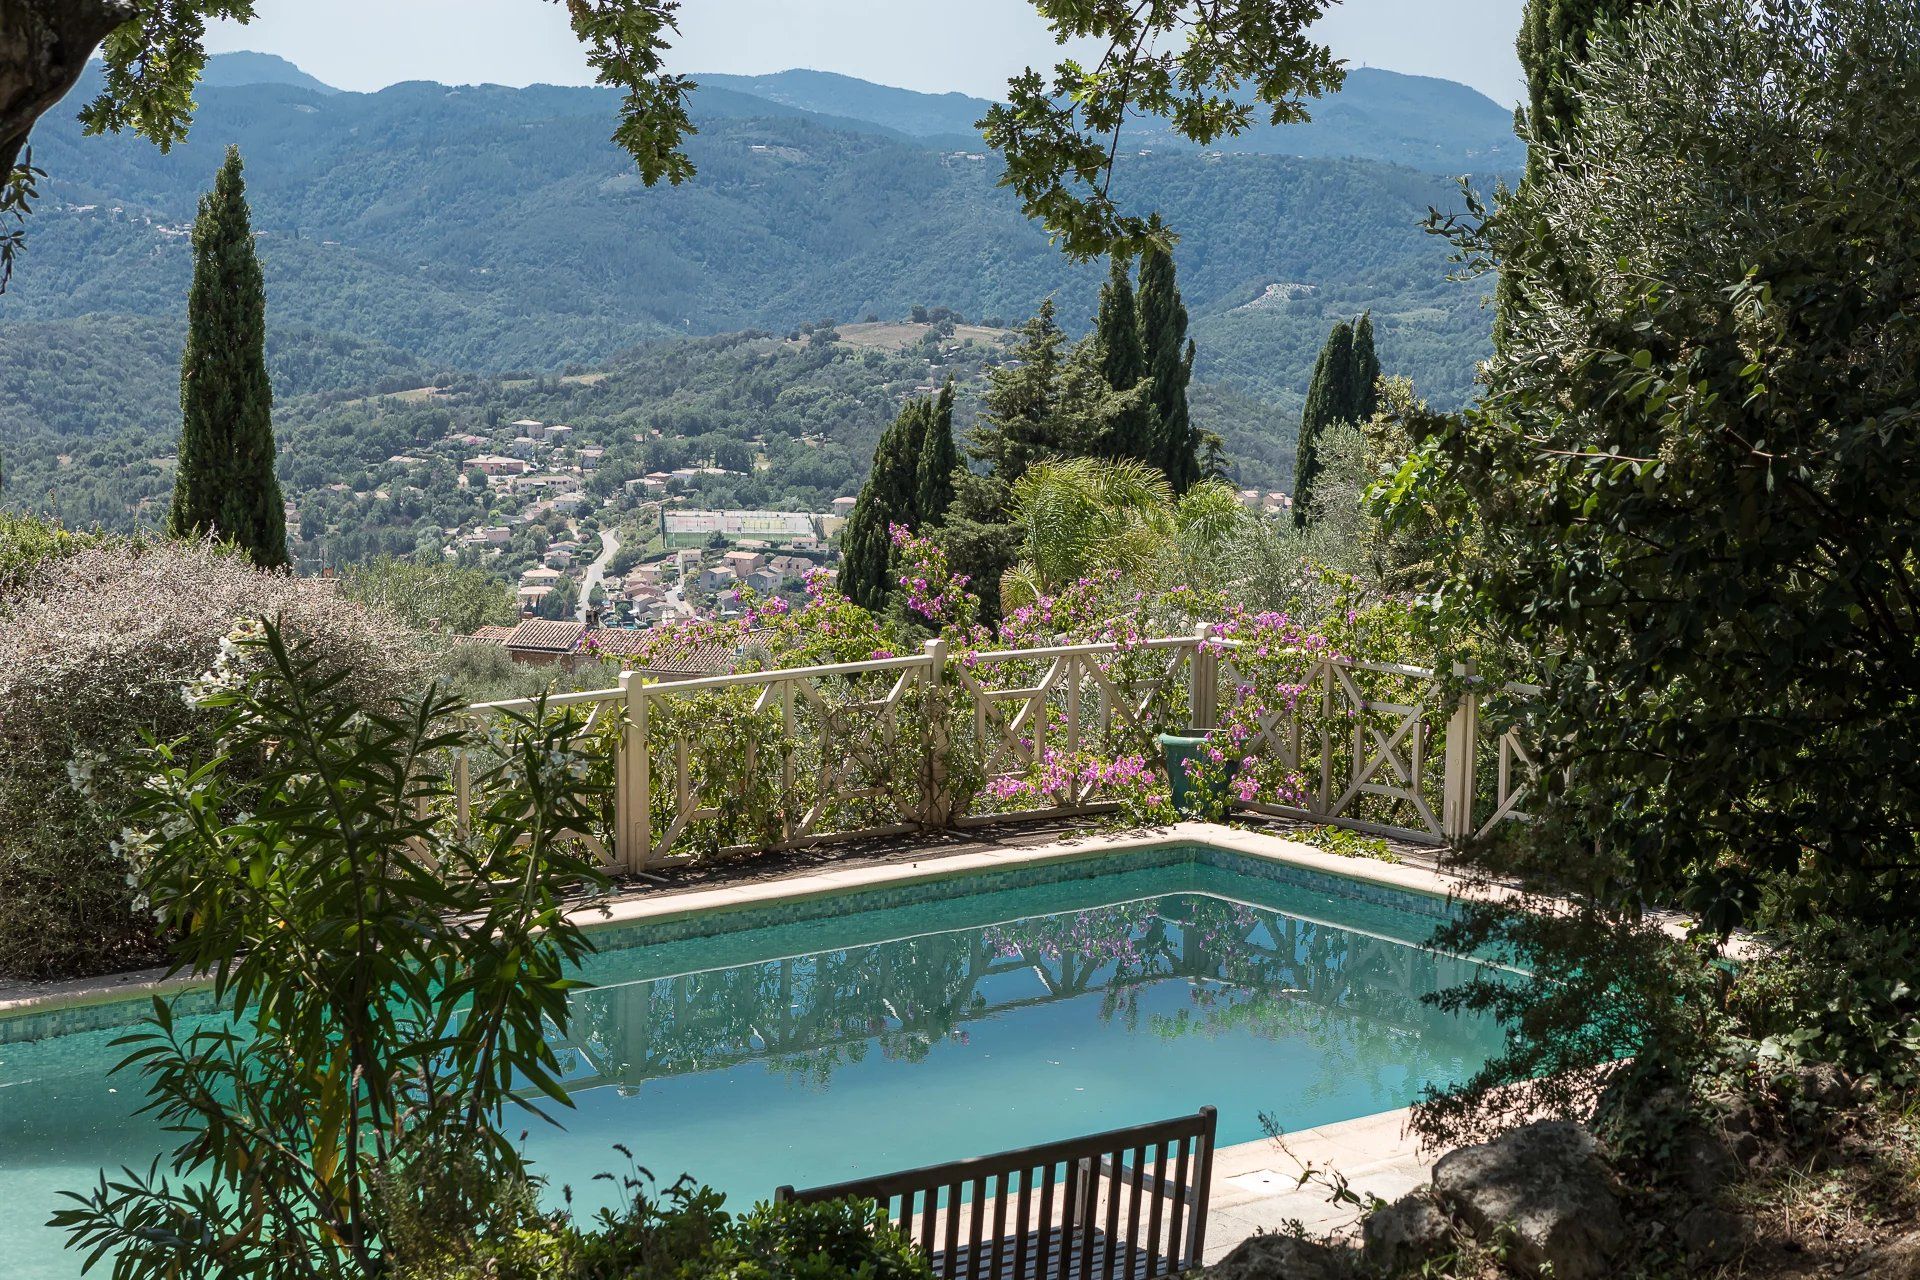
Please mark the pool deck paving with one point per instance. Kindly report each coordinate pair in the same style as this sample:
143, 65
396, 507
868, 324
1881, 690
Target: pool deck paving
1257, 1186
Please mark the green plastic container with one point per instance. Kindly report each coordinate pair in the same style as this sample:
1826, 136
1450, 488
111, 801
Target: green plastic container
1189, 800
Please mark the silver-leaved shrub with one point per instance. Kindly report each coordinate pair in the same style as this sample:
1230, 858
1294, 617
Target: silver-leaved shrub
98, 650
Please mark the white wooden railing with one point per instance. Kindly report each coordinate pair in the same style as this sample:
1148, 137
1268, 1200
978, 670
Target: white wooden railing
914, 743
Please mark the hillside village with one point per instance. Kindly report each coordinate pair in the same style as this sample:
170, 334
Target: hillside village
632, 554
619, 514
642, 555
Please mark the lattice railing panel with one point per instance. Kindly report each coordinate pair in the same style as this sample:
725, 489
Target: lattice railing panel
786, 758
783, 758
1048, 711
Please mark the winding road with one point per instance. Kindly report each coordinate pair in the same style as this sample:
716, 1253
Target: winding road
609, 547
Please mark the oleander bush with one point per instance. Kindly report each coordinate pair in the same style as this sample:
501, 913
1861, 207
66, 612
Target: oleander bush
97, 641
386, 979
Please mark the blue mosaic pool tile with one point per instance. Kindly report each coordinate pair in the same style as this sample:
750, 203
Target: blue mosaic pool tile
710, 923
1379, 895
95, 1017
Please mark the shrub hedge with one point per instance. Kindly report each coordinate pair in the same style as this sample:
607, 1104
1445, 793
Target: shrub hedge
98, 638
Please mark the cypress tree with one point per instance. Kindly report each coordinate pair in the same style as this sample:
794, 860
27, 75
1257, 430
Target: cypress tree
1327, 397
1122, 360
1169, 359
224, 484
933, 485
1364, 388
887, 499
1553, 42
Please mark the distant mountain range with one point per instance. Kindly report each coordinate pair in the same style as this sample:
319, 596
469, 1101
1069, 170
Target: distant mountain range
1430, 124
1419, 121
428, 227
227, 70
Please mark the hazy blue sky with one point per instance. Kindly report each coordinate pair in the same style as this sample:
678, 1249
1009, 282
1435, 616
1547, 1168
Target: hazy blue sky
931, 45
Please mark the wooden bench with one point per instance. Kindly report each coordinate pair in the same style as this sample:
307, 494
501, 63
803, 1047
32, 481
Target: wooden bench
1129, 1204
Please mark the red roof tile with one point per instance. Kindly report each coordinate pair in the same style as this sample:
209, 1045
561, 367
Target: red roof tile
547, 635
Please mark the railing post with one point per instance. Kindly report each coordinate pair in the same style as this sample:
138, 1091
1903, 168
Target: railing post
1203, 682
633, 791
463, 788
936, 801
1459, 770
623, 781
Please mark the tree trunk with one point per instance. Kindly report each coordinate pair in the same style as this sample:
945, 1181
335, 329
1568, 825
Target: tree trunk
44, 46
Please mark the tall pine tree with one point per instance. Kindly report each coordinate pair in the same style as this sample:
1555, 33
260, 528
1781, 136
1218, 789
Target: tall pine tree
933, 481
1122, 359
1213, 456
1026, 417
1169, 357
224, 484
1023, 421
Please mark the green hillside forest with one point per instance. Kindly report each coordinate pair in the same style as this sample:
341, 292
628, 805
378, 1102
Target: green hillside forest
462, 235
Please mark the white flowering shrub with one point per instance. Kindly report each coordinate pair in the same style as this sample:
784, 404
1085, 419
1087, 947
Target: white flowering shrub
101, 650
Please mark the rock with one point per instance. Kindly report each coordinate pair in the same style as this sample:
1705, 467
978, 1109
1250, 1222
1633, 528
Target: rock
1704, 1163
1281, 1257
1709, 1235
1822, 1084
1405, 1234
1740, 1127
1548, 1183
1895, 1260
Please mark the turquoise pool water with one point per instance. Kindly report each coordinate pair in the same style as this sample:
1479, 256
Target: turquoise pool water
815, 1041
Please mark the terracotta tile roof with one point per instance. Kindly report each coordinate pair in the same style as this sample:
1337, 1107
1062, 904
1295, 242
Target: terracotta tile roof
618, 642
547, 635
705, 659
629, 642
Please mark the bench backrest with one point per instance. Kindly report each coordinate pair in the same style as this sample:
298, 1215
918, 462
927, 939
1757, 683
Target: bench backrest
1128, 1204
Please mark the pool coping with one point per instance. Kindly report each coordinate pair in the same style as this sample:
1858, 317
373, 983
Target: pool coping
27, 998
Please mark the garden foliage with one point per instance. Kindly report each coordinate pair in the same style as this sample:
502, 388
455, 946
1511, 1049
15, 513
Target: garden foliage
1690, 490
1694, 467
430, 594
680, 1233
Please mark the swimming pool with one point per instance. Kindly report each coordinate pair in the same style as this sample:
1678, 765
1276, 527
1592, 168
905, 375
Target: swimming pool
815, 1040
